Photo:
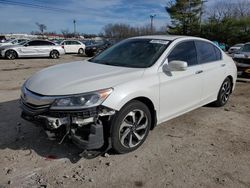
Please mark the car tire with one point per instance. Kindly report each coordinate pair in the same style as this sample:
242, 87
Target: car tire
11, 54
130, 127
81, 51
54, 54
224, 93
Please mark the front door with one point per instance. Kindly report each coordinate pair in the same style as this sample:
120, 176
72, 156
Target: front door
180, 91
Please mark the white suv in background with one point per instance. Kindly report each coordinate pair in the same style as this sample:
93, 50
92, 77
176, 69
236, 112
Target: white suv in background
73, 46
122, 93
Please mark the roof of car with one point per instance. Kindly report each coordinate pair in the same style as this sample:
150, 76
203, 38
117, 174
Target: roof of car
163, 37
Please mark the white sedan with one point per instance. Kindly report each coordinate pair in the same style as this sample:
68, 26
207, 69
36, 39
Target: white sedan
73, 46
117, 97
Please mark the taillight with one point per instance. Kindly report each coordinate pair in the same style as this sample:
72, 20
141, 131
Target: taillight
63, 46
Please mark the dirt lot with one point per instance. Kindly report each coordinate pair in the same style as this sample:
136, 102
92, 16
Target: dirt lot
208, 147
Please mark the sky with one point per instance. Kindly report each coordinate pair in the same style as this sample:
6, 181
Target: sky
90, 15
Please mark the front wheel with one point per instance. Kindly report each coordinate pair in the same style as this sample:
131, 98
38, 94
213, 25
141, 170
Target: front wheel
54, 54
130, 127
11, 54
224, 93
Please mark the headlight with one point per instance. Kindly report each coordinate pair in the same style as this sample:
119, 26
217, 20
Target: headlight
81, 101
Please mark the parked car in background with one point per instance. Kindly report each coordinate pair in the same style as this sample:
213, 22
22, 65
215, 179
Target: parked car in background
13, 42
117, 97
88, 42
242, 59
34, 48
235, 48
57, 41
2, 39
96, 47
73, 46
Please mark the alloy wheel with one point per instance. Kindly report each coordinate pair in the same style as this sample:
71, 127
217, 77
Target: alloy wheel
54, 54
133, 128
225, 91
10, 55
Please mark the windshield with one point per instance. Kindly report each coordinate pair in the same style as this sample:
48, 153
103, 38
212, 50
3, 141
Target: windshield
23, 42
136, 53
246, 48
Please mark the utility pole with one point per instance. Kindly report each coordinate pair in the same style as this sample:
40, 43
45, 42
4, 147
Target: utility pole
74, 22
151, 22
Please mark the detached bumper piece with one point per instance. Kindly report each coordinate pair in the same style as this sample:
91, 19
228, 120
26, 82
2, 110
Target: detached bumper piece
90, 138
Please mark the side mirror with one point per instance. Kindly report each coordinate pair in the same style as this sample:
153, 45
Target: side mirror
175, 66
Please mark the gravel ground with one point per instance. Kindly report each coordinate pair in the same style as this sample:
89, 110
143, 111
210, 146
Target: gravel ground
208, 147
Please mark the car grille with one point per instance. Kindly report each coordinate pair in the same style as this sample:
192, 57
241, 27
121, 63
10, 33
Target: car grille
33, 109
33, 103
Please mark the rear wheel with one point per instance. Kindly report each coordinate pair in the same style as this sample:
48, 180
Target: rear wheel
54, 54
11, 54
224, 93
80, 51
130, 127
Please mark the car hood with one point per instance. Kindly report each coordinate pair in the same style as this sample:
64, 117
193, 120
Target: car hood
242, 55
79, 77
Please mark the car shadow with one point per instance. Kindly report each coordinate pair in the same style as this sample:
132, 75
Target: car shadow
18, 134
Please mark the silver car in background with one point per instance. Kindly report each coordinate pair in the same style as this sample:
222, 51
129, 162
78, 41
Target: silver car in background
14, 42
34, 48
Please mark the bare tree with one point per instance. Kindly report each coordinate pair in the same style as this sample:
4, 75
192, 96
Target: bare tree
41, 27
230, 9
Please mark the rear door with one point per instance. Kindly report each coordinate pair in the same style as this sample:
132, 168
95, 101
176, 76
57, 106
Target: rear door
44, 48
76, 46
214, 68
181, 91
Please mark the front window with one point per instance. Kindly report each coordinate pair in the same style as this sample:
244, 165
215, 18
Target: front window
246, 48
135, 53
184, 51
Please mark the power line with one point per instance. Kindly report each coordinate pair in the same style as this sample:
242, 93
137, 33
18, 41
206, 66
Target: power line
31, 5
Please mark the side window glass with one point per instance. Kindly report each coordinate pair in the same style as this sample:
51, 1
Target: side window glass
206, 52
33, 43
218, 53
184, 51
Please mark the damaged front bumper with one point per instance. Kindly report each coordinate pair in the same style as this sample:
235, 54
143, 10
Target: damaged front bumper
86, 128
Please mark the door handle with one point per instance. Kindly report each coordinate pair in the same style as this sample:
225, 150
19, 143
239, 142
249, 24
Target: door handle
199, 72
223, 65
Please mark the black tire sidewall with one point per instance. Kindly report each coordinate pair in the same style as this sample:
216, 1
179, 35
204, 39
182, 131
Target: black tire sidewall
116, 123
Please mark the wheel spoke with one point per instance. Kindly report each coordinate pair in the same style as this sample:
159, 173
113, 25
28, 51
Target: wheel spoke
130, 144
137, 136
125, 134
132, 114
141, 127
125, 124
140, 118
